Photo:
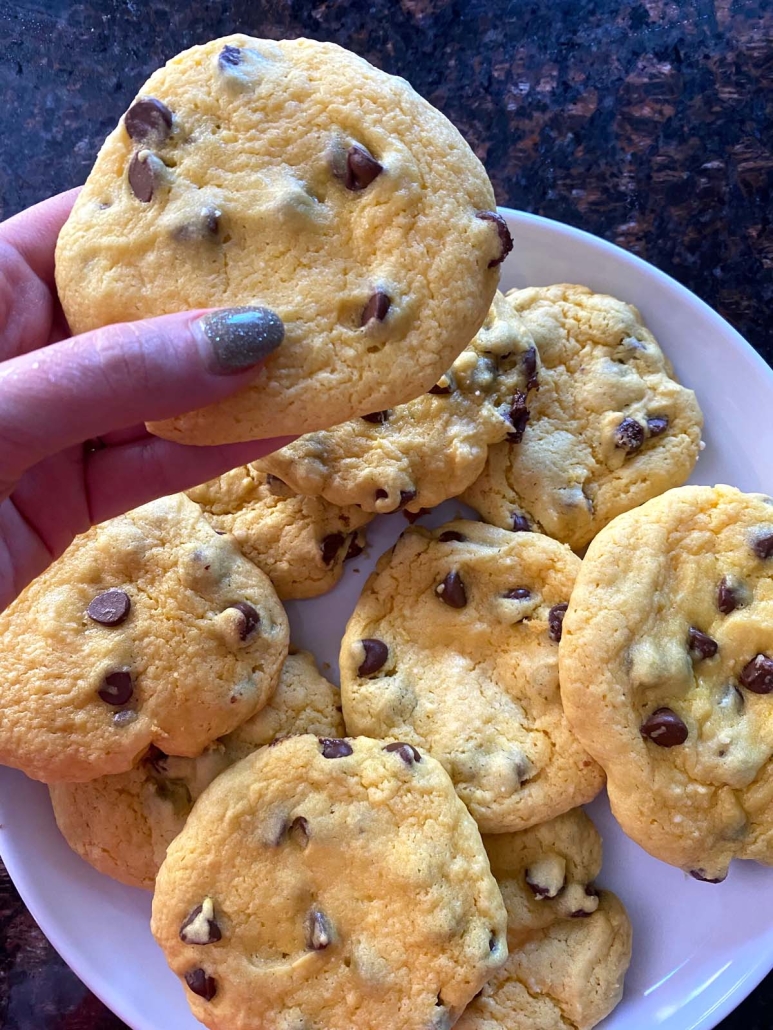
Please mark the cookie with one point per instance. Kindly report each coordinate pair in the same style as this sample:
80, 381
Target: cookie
453, 647
123, 824
667, 674
609, 428
301, 543
295, 176
334, 883
570, 944
150, 629
418, 454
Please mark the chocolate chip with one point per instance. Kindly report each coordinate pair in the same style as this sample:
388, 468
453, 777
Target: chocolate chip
664, 728
529, 362
148, 118
376, 654
517, 594
728, 596
298, 831
407, 752
537, 889
109, 609
229, 57
250, 618
378, 418
201, 983
701, 645
657, 425
629, 435
201, 927
451, 535
330, 547
556, 620
520, 523
377, 307
452, 591
117, 688
210, 220
757, 675
355, 548
142, 178
406, 496
334, 747
505, 239
583, 913
319, 933
518, 417
413, 516
443, 386
361, 168
763, 545
703, 876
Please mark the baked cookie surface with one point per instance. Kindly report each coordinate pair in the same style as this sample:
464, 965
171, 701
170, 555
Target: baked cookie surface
150, 629
301, 543
667, 670
453, 647
418, 454
330, 882
609, 428
123, 824
295, 176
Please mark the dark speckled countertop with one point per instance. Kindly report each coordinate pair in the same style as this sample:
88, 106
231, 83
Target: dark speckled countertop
649, 123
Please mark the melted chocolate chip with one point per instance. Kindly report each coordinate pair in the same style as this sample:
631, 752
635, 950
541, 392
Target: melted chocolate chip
757, 675
505, 239
378, 418
333, 747
142, 177
407, 752
201, 983
451, 535
250, 618
451, 591
529, 363
377, 307
728, 596
199, 928
556, 620
355, 548
517, 594
109, 609
319, 933
229, 57
376, 654
629, 435
703, 876
762, 545
330, 547
664, 728
117, 688
148, 118
518, 417
520, 523
701, 645
361, 168
657, 425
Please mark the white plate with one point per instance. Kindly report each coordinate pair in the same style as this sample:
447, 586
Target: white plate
698, 948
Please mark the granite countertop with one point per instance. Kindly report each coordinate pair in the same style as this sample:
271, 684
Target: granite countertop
647, 122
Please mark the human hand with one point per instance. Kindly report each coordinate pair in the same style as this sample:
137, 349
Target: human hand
74, 450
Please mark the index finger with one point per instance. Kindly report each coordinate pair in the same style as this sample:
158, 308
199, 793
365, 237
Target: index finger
33, 233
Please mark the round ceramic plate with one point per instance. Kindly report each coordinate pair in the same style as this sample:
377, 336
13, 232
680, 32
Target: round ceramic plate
698, 948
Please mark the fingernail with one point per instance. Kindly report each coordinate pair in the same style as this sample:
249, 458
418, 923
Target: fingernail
239, 338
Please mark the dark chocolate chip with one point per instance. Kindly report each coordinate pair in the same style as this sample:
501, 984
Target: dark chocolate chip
451, 535
201, 983
529, 362
444, 387
142, 177
148, 118
319, 934
757, 675
407, 752
703, 876
629, 435
728, 596
109, 609
361, 168
452, 591
210, 220
520, 523
517, 594
209, 933
333, 747
229, 56
250, 618
763, 545
376, 654
355, 548
413, 516
556, 620
330, 547
377, 307
505, 239
518, 417
298, 831
701, 645
664, 728
657, 425
117, 688
378, 418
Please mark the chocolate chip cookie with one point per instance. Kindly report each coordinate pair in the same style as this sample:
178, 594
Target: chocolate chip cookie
418, 454
295, 176
301, 543
453, 647
667, 674
609, 428
123, 824
150, 629
570, 943
330, 882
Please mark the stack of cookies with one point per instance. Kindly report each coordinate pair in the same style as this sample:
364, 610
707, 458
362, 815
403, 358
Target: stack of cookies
408, 852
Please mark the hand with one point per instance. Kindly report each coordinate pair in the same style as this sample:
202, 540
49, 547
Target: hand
73, 447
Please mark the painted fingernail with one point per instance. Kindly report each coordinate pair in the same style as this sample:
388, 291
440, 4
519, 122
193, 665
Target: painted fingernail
239, 338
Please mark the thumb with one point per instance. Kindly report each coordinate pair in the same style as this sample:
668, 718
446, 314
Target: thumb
124, 374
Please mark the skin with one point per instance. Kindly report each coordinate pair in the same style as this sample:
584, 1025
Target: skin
58, 391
